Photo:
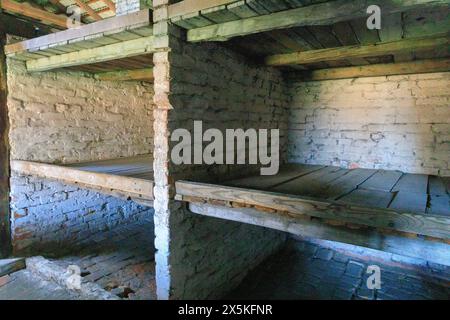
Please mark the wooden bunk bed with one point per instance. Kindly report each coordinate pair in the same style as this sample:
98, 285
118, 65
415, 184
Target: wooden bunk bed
129, 178
117, 44
386, 210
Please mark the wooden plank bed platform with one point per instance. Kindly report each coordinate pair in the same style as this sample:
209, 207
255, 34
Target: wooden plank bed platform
129, 178
386, 210
99, 44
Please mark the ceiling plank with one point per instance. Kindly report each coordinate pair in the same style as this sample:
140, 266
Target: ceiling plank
376, 70
145, 74
25, 9
358, 51
111, 5
319, 14
191, 6
88, 10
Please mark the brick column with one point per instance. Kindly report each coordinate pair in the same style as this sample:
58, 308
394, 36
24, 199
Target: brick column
5, 232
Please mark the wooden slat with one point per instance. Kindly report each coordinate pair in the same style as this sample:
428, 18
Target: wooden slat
430, 225
439, 204
119, 23
318, 14
25, 9
127, 75
436, 186
133, 186
369, 198
286, 173
374, 70
8, 266
417, 183
406, 246
345, 184
111, 5
191, 6
100, 54
410, 201
91, 12
383, 180
358, 51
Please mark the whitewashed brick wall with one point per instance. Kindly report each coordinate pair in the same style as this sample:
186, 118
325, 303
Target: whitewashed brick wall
394, 122
71, 117
127, 6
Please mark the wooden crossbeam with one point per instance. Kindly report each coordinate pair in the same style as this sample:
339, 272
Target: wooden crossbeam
319, 14
358, 51
375, 70
113, 51
91, 12
389, 242
25, 9
145, 74
298, 207
111, 5
192, 6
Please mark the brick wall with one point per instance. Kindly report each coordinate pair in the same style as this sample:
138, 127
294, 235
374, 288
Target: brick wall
127, 6
394, 122
71, 117
200, 257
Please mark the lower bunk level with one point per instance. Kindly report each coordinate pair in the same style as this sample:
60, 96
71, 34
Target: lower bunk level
391, 211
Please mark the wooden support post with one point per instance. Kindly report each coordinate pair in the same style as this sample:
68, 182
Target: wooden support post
5, 225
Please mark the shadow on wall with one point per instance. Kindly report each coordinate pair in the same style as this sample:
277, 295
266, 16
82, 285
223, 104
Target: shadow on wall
395, 122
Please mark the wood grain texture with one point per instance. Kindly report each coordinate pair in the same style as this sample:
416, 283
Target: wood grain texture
430, 225
8, 266
390, 242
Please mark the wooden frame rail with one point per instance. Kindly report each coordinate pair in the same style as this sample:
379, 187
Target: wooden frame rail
132, 187
301, 207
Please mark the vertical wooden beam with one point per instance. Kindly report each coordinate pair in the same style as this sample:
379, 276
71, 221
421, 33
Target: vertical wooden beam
5, 231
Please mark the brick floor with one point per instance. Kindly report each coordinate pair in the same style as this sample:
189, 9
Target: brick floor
121, 261
309, 271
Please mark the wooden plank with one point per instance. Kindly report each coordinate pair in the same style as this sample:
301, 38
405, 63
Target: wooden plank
91, 12
369, 198
123, 184
430, 225
25, 9
436, 186
409, 182
406, 246
111, 5
286, 173
8, 266
130, 21
311, 184
219, 14
357, 51
5, 224
410, 201
383, 180
439, 205
100, 54
318, 14
191, 6
413, 67
346, 183
127, 75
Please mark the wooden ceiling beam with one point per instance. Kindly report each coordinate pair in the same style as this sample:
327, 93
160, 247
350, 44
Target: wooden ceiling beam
376, 70
358, 51
26, 10
111, 5
326, 13
145, 74
91, 12
191, 6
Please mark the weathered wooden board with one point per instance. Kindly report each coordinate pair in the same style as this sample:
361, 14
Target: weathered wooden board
318, 14
312, 184
416, 183
346, 183
430, 225
436, 186
368, 198
410, 201
439, 204
383, 180
406, 246
133, 187
286, 173
8, 266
